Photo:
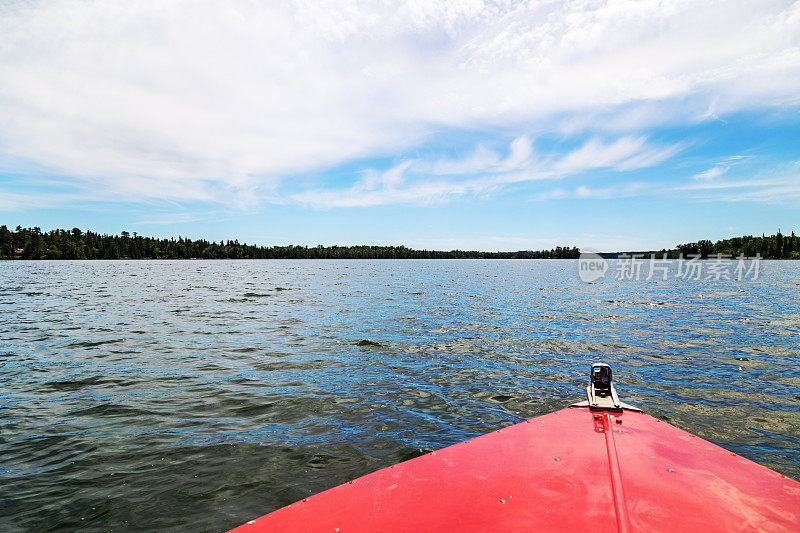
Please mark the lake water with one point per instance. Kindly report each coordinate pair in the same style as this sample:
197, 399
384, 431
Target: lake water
196, 395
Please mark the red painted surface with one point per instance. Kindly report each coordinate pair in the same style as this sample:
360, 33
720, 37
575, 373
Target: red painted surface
572, 470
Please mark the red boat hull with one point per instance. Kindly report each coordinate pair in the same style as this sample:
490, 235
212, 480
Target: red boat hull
572, 470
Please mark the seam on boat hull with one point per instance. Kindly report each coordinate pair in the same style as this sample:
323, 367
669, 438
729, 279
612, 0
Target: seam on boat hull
623, 524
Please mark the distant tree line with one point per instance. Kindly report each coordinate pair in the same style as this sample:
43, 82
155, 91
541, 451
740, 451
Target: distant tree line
776, 246
33, 243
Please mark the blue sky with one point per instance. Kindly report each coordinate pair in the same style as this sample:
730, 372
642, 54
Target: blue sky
483, 125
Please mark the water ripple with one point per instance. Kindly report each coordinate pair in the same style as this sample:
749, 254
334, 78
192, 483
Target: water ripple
175, 395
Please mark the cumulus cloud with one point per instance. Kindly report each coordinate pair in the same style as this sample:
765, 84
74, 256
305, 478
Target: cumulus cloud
207, 100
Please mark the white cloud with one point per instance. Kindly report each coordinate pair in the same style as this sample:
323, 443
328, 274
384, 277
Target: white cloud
520, 154
482, 160
628, 189
584, 192
483, 172
711, 173
627, 153
207, 101
721, 168
389, 180
779, 189
15, 202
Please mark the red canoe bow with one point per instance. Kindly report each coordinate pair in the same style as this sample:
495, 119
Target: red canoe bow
599, 467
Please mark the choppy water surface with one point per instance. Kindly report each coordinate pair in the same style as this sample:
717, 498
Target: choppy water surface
200, 394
